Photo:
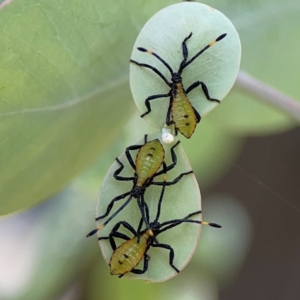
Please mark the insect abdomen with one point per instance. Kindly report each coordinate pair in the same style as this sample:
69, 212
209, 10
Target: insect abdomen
128, 255
148, 160
182, 112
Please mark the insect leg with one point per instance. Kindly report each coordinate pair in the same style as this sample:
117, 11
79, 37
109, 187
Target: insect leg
159, 203
119, 170
145, 139
129, 157
144, 219
126, 225
145, 268
174, 181
171, 255
176, 131
204, 89
179, 177
168, 118
198, 117
111, 204
142, 204
172, 165
138, 232
111, 238
185, 50
115, 234
174, 157
146, 208
147, 103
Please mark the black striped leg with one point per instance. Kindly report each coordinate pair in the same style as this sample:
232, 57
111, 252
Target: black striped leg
129, 157
111, 238
204, 89
145, 267
153, 97
174, 161
167, 183
119, 170
184, 51
171, 254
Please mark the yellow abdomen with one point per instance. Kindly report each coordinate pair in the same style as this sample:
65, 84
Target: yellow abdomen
148, 160
183, 114
128, 255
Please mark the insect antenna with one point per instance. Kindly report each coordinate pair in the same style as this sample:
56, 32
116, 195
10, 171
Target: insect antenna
154, 70
201, 51
110, 218
176, 222
158, 57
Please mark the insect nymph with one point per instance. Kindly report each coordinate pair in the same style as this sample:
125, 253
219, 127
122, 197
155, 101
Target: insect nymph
181, 113
129, 254
149, 159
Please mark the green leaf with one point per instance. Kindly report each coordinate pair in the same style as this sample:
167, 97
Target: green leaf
179, 200
63, 90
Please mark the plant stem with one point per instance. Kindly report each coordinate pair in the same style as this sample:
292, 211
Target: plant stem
269, 94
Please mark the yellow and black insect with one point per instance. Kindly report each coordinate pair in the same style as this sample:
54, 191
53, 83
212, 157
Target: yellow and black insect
129, 254
149, 159
181, 113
